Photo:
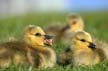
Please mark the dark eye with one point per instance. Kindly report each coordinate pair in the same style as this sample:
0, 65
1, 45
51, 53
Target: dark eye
74, 22
82, 40
37, 34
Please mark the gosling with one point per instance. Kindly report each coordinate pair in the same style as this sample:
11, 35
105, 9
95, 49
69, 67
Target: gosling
81, 51
74, 23
31, 49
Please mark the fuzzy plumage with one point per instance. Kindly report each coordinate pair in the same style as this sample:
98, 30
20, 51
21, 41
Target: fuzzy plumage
81, 51
74, 23
30, 49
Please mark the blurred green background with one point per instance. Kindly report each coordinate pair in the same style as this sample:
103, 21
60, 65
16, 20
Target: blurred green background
96, 23
16, 14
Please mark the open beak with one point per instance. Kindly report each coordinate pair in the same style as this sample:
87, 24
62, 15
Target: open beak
48, 40
92, 45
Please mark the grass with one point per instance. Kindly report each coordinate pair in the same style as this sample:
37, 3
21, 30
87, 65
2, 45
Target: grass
95, 23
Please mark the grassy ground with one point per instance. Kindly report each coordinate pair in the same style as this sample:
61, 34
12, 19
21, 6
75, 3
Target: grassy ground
95, 23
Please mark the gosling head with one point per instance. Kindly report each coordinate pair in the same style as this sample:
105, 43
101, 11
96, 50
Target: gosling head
75, 22
82, 40
35, 36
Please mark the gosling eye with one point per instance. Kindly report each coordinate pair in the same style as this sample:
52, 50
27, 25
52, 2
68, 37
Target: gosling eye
83, 40
37, 34
74, 22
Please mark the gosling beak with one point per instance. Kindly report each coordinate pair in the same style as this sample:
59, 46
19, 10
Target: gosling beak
67, 27
92, 45
48, 40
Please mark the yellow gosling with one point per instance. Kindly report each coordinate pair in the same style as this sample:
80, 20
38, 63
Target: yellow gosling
81, 51
31, 49
73, 22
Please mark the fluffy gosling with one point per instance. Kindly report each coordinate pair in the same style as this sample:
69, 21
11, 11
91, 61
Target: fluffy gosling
74, 23
81, 51
31, 49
